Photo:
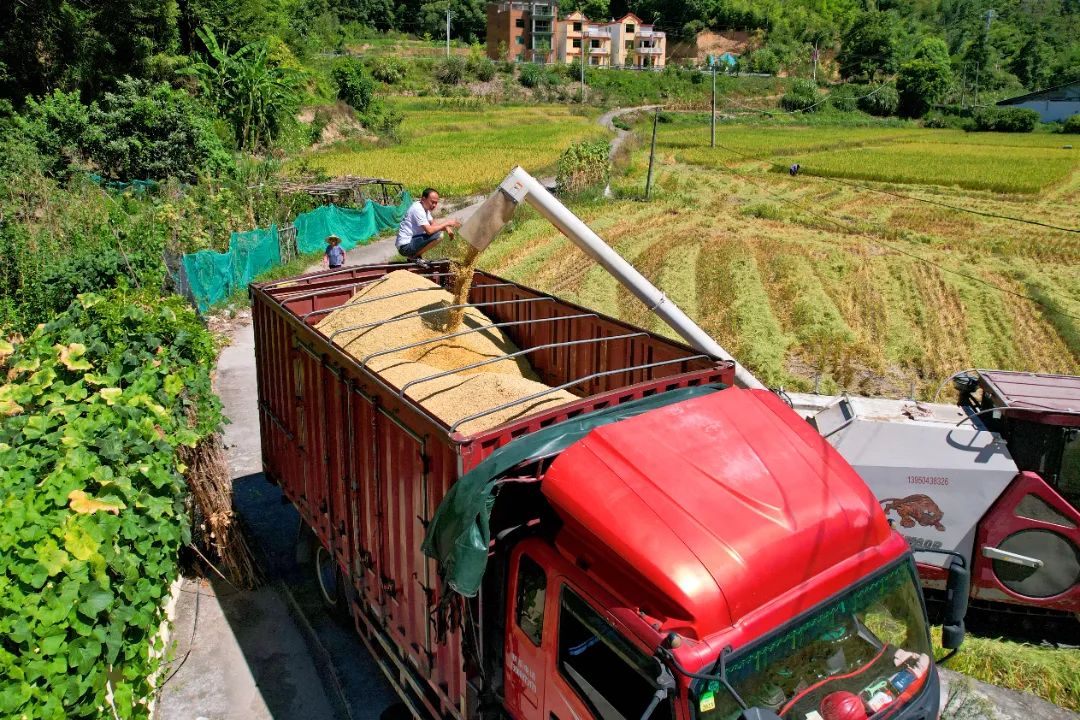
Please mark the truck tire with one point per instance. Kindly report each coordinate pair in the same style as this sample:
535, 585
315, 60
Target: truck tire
331, 584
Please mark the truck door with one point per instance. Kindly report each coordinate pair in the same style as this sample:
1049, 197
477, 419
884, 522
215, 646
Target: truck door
594, 670
525, 648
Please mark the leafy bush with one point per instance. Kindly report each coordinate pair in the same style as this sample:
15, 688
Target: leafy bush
353, 84
762, 60
146, 130
1005, 119
451, 71
318, 124
881, 101
57, 125
802, 96
95, 405
845, 98
483, 68
385, 122
532, 75
1071, 124
944, 120
388, 69
583, 165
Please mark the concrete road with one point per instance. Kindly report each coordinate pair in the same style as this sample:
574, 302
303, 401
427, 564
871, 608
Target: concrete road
271, 653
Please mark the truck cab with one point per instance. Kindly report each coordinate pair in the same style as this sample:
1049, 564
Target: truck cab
707, 557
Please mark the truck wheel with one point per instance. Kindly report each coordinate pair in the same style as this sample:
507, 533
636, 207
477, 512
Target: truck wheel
331, 584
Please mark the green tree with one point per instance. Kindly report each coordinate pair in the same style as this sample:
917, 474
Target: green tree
920, 84
47, 45
57, 126
469, 21
354, 85
592, 9
871, 47
924, 80
258, 98
233, 22
1033, 64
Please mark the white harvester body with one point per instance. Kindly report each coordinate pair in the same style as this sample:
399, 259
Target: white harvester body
935, 470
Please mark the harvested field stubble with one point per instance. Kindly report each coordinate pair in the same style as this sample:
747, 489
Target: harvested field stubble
458, 394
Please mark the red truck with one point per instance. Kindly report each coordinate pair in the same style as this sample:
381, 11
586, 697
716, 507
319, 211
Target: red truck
666, 546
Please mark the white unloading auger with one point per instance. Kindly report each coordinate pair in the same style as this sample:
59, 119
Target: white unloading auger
519, 186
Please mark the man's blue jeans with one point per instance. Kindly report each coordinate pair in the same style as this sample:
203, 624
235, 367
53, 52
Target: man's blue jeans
416, 246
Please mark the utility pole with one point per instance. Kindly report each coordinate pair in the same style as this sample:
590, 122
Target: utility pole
815, 57
652, 152
582, 63
963, 87
447, 28
976, 85
712, 115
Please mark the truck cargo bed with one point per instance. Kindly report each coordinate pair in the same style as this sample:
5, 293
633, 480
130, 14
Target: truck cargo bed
366, 465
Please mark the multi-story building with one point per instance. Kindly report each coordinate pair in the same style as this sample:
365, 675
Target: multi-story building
521, 31
533, 32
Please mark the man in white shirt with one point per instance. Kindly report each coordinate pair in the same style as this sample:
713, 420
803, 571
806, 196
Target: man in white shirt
418, 232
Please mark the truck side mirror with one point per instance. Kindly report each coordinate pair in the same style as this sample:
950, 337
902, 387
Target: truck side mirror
957, 588
757, 713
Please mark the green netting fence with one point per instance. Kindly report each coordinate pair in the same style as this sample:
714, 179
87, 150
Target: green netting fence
209, 277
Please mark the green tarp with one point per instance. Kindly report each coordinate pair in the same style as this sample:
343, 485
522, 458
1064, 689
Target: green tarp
354, 227
459, 535
214, 276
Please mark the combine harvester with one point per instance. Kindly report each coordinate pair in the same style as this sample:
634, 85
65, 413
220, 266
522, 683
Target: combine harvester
652, 545
995, 477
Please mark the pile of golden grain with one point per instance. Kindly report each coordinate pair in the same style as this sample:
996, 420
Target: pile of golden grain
458, 394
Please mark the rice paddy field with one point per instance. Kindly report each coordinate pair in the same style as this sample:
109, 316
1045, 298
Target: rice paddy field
812, 283
464, 148
998, 162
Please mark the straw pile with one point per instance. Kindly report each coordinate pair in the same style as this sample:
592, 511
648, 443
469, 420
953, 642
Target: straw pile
456, 395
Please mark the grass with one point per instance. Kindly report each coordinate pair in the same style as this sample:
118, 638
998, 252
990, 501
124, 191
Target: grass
1050, 673
466, 149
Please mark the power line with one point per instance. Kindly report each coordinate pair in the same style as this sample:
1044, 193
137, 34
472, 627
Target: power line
847, 227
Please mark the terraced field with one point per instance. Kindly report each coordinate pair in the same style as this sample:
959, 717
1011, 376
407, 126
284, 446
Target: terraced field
1007, 163
463, 150
811, 282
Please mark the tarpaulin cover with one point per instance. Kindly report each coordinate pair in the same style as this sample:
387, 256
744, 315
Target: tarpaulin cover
354, 227
214, 276
459, 535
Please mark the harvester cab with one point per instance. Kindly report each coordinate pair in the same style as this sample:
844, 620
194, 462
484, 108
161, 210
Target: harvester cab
994, 478
1038, 416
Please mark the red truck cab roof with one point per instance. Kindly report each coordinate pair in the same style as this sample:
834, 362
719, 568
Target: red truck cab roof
707, 510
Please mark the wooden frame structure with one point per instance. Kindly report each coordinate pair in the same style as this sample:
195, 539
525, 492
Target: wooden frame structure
350, 190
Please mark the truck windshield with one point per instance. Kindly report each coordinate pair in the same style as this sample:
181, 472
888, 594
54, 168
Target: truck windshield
862, 652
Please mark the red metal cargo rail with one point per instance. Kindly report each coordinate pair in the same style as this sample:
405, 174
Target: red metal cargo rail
367, 467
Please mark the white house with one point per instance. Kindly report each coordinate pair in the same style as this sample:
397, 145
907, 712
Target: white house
1053, 104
